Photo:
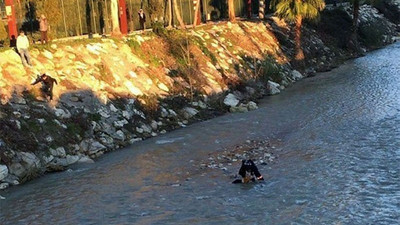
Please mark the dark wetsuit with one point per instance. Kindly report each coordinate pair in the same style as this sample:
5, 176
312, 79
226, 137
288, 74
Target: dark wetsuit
248, 168
47, 84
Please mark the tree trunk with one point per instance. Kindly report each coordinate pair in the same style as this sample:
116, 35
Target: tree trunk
353, 39
197, 15
299, 51
170, 14
178, 14
231, 11
115, 18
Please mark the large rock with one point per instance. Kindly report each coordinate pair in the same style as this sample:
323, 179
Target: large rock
17, 169
296, 75
58, 152
189, 112
62, 113
30, 160
252, 106
239, 109
273, 88
231, 100
3, 172
121, 123
91, 147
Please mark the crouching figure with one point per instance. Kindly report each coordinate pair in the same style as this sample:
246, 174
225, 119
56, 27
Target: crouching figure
47, 85
249, 172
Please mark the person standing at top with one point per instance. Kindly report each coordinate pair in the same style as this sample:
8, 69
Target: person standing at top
44, 26
22, 47
142, 19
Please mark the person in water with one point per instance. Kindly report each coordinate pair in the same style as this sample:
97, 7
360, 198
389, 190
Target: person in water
47, 84
249, 172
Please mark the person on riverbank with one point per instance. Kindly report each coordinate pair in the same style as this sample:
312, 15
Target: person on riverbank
142, 19
249, 172
44, 26
47, 85
22, 47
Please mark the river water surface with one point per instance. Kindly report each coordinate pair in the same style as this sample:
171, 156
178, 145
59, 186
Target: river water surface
338, 162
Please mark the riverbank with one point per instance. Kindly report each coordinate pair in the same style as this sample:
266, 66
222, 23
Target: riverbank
113, 93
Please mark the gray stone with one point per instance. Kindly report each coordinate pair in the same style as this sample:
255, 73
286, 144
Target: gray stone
17, 169
11, 179
189, 112
58, 152
239, 109
107, 140
103, 113
29, 160
154, 125
91, 147
164, 112
139, 130
119, 135
49, 139
85, 159
4, 186
48, 159
62, 113
121, 123
146, 128
112, 108
127, 115
71, 159
133, 140
252, 106
273, 88
3, 172
41, 121
172, 113
231, 100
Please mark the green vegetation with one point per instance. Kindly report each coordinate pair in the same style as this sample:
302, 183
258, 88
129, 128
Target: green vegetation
296, 11
371, 35
335, 26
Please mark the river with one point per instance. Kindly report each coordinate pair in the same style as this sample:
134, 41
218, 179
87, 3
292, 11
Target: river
337, 143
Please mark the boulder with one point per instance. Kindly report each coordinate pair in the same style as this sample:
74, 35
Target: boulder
121, 123
252, 106
17, 169
85, 159
58, 152
29, 160
91, 147
119, 135
273, 88
239, 109
189, 112
4, 186
3, 172
231, 100
62, 113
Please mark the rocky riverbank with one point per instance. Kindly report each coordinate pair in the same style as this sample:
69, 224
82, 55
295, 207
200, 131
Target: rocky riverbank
113, 93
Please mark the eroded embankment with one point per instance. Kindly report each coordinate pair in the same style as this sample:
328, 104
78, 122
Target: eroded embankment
112, 93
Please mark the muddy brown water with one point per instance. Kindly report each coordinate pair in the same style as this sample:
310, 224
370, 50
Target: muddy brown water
338, 162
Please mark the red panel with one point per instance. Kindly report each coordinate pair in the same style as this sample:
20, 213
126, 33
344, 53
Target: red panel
122, 17
12, 23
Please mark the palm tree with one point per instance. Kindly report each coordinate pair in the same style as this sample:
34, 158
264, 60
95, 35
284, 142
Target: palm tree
231, 11
296, 11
